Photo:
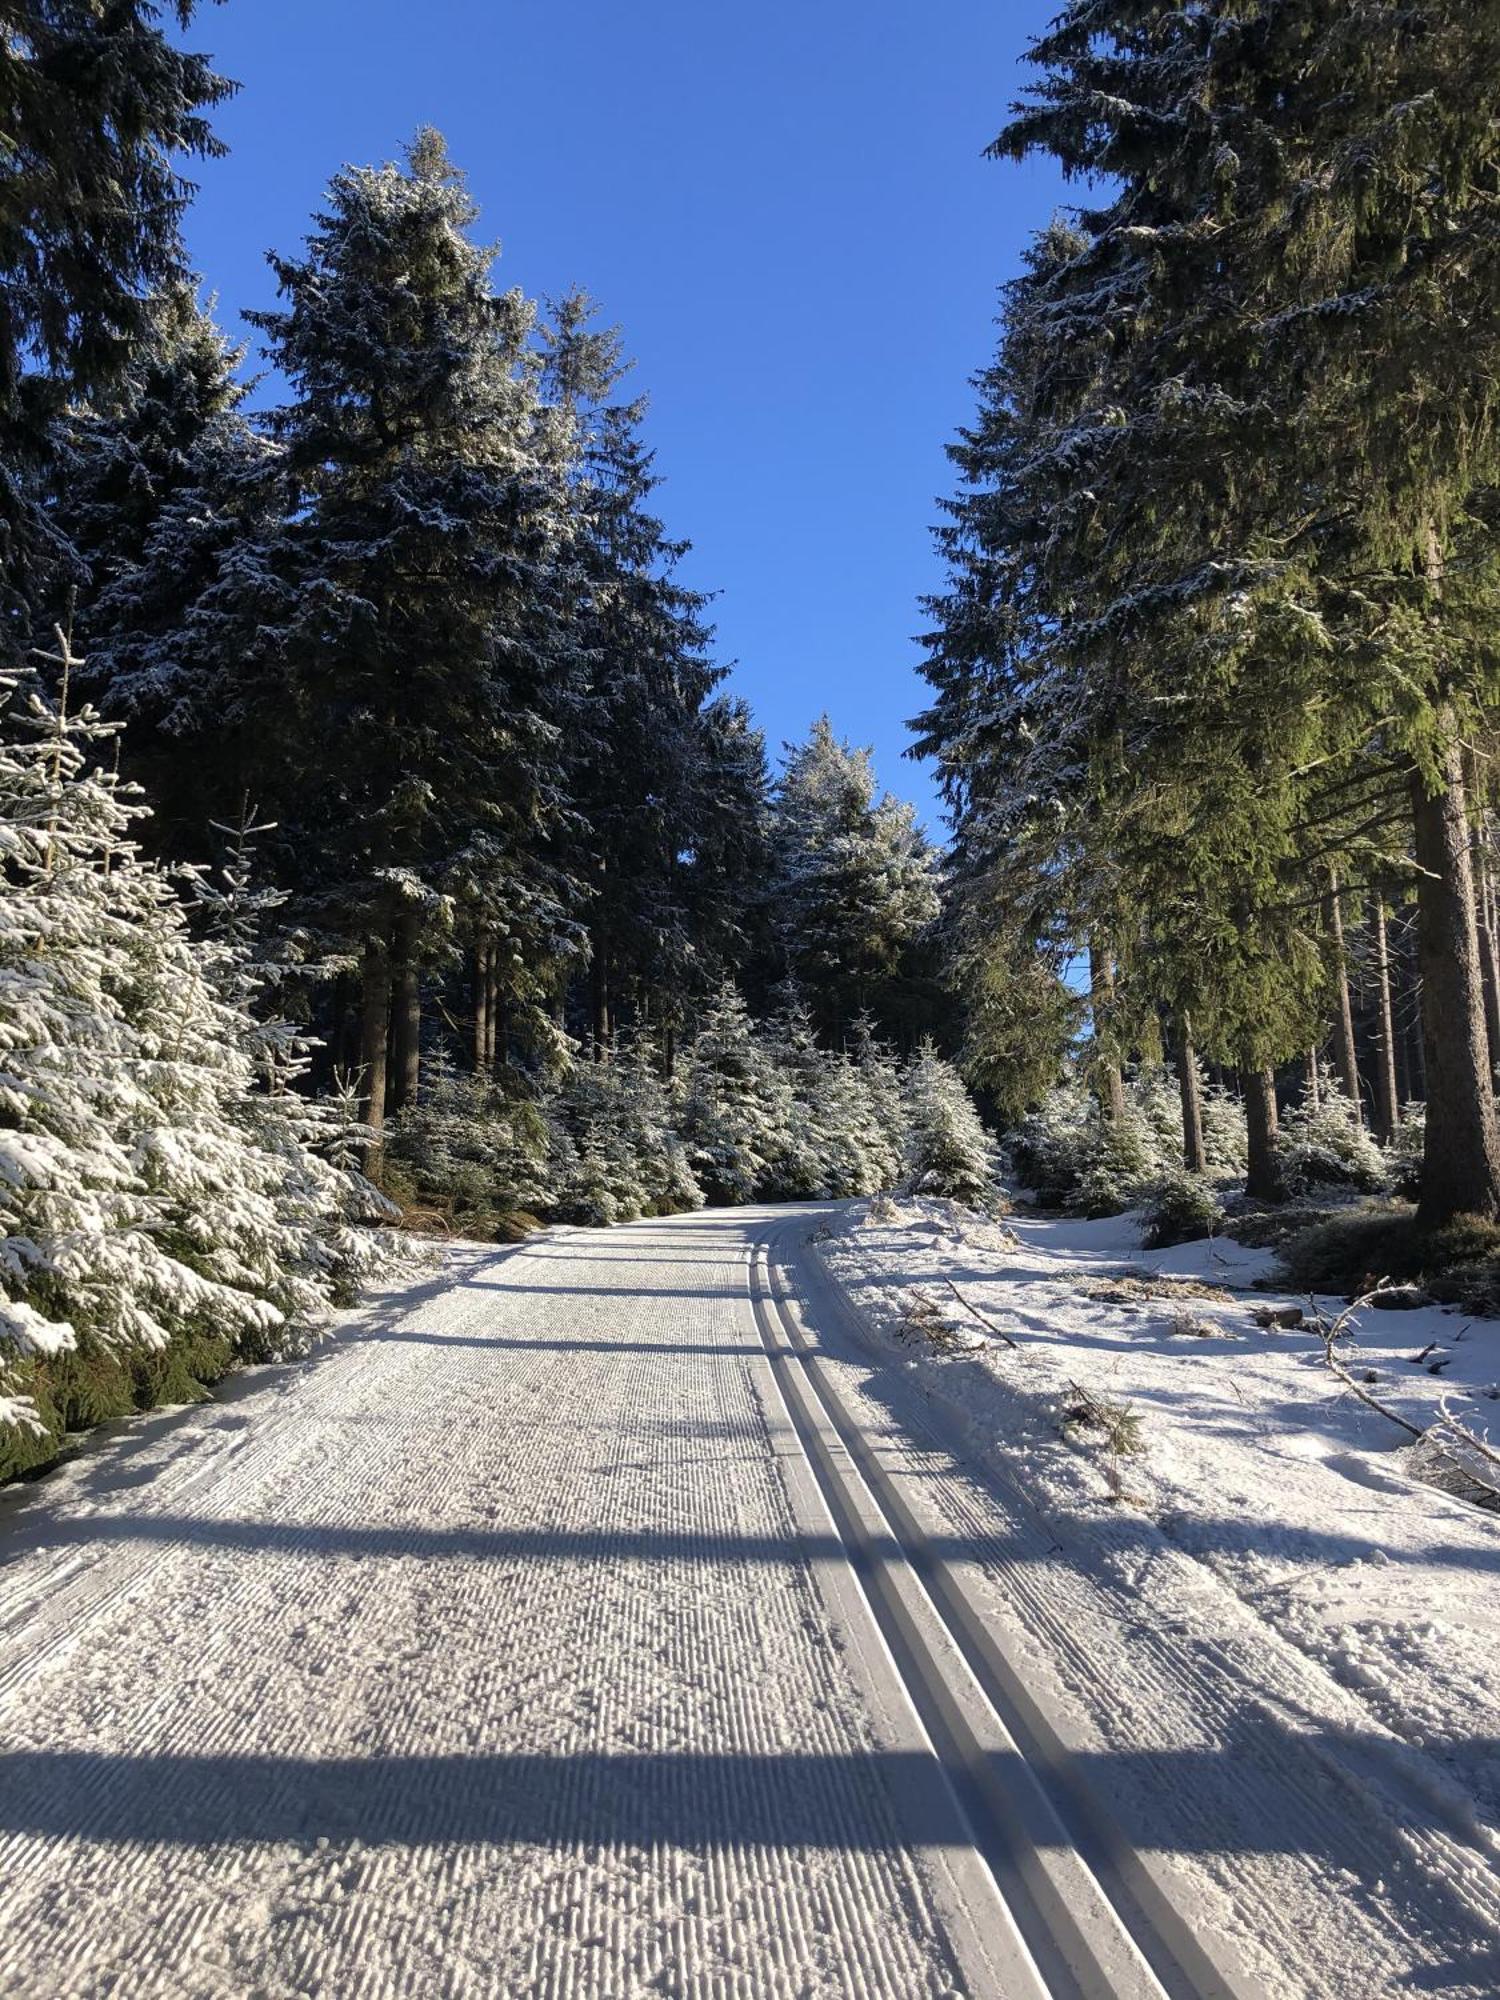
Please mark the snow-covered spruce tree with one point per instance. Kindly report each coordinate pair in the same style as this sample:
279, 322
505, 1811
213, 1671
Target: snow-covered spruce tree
98, 107
853, 885
157, 1222
948, 1150
881, 1107
812, 1153
388, 662
162, 488
1328, 1145
635, 748
480, 1148
736, 1109
623, 1159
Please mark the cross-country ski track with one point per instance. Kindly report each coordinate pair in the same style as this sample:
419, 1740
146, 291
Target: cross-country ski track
605, 1616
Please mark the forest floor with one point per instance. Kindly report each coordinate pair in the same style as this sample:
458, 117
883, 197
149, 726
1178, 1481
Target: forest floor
625, 1613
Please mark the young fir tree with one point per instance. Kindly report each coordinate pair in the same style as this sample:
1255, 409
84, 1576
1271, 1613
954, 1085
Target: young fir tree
97, 105
162, 1214
736, 1109
853, 882
394, 657
948, 1151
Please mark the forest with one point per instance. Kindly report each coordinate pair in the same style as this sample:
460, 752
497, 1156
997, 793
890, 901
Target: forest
384, 843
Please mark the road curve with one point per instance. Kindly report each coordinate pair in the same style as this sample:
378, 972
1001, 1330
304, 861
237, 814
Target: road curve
564, 1629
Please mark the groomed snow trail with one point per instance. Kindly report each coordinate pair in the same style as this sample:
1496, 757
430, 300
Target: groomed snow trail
483, 1655
595, 1620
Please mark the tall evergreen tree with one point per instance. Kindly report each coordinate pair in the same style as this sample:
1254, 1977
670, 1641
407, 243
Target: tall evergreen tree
640, 749
1210, 556
97, 104
853, 883
392, 654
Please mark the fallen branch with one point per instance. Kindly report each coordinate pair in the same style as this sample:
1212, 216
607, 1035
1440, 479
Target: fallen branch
1471, 1442
1329, 1332
988, 1324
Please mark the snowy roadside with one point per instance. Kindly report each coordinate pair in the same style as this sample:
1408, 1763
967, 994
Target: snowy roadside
1255, 1462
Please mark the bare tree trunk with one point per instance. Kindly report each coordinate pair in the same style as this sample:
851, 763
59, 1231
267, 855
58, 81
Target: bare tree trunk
599, 1001
1194, 1153
1387, 1099
374, 1048
499, 1041
1108, 1080
1314, 1081
1484, 917
481, 1008
1264, 1177
1343, 1026
407, 1022
1461, 1158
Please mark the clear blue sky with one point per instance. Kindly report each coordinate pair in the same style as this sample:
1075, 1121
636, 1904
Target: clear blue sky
784, 206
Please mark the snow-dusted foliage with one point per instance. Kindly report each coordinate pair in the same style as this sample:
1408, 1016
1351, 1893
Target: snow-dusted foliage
1325, 1145
948, 1150
1404, 1153
1070, 1155
471, 1144
622, 1158
853, 880
1180, 1208
737, 1110
166, 1206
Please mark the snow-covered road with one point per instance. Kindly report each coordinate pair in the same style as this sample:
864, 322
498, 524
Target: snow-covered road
595, 1619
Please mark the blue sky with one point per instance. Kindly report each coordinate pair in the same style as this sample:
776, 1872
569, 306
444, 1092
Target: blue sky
786, 209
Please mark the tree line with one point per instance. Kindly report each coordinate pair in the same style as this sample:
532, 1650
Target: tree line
1213, 673
418, 618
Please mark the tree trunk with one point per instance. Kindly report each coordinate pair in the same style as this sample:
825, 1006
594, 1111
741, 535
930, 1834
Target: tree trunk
1461, 1157
599, 1001
1343, 1026
1194, 1154
1108, 1080
407, 1068
1484, 919
1264, 1177
1314, 1081
1387, 1099
481, 1008
374, 1047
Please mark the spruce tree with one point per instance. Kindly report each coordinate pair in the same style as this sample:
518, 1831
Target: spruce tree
736, 1109
167, 1204
637, 749
948, 1151
393, 655
853, 883
97, 104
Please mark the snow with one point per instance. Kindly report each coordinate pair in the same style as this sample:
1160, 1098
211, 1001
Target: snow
481, 1654
1258, 1465
507, 1645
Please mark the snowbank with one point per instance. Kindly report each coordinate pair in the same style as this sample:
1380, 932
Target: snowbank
1254, 1460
